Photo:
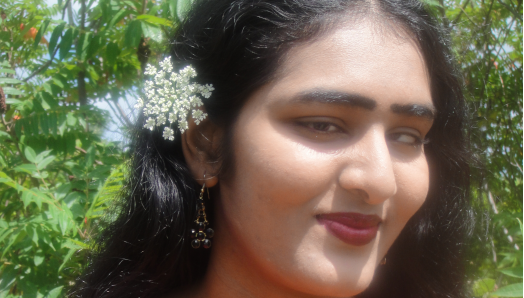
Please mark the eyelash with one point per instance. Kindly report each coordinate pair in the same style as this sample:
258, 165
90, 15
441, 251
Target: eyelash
418, 141
311, 125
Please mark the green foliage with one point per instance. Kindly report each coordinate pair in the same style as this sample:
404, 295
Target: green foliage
487, 40
58, 177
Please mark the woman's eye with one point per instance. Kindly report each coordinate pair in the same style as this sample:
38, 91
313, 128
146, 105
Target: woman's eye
407, 138
322, 127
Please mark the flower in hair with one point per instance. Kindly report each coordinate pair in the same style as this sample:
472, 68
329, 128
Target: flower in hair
171, 97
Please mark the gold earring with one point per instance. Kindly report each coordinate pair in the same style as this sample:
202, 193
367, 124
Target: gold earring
201, 236
383, 262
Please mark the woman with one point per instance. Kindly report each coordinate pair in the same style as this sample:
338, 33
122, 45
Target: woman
334, 154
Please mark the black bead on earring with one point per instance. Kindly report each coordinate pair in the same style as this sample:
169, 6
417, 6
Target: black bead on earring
201, 235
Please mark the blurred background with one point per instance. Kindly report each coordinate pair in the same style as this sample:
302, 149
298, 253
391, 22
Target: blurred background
71, 71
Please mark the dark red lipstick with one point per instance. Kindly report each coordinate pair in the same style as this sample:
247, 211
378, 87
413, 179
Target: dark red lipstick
353, 228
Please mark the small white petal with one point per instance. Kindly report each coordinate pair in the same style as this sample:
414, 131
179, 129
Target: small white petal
168, 134
139, 104
150, 124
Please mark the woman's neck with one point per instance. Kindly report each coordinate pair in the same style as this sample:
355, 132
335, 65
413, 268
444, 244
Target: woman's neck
231, 273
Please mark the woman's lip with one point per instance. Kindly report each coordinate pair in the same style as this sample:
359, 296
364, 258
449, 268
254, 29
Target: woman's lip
353, 228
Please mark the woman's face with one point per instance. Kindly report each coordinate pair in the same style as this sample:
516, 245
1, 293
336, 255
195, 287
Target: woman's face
329, 164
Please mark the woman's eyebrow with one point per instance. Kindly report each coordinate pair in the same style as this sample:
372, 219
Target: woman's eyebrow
415, 110
335, 97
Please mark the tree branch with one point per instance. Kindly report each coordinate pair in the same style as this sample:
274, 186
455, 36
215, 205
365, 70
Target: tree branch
70, 13
144, 4
114, 111
494, 207
65, 8
123, 114
127, 104
81, 80
8, 129
460, 13
85, 152
513, 12
43, 67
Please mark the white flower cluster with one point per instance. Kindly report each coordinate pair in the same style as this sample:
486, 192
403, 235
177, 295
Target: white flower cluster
170, 97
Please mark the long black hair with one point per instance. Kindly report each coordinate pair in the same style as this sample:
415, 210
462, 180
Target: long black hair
237, 46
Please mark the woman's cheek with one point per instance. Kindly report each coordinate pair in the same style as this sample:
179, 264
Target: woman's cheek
286, 173
413, 185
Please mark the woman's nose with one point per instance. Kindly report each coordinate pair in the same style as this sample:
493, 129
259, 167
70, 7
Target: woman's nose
369, 168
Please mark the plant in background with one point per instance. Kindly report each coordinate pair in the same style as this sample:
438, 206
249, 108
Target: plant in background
58, 176
487, 40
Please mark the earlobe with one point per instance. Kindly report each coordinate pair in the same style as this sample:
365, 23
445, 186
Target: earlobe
199, 145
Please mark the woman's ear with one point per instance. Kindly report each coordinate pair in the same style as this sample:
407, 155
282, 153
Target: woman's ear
200, 144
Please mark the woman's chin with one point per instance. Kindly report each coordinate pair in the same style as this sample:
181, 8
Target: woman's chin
339, 286
333, 275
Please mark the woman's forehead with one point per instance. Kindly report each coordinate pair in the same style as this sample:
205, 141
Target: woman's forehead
357, 59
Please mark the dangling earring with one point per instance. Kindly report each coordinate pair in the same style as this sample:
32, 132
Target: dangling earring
200, 236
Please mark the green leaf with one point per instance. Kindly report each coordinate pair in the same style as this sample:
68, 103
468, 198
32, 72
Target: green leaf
513, 290
41, 165
41, 155
5, 70
182, 8
90, 156
94, 77
28, 197
155, 20
66, 43
55, 293
57, 32
53, 123
26, 168
118, 17
62, 191
112, 52
83, 45
13, 101
47, 100
152, 32
133, 34
66, 258
34, 236
11, 91
432, 3
94, 45
10, 182
9, 81
483, 286
63, 222
9, 274
4, 134
101, 172
72, 243
57, 81
30, 154
13, 239
40, 33
35, 195
71, 120
514, 272
172, 9
39, 258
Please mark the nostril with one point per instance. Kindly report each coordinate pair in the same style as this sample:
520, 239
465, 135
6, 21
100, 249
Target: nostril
360, 194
